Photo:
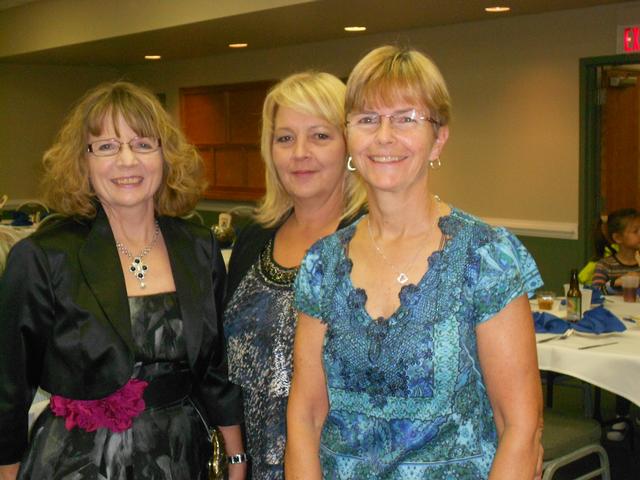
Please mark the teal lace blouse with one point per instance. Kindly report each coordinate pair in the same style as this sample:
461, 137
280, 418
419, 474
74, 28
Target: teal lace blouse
406, 395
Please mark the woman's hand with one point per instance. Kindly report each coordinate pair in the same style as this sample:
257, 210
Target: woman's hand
238, 471
9, 472
233, 445
507, 353
618, 281
538, 474
308, 402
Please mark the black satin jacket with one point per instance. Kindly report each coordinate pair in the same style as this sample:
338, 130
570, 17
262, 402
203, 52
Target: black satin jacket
65, 320
246, 250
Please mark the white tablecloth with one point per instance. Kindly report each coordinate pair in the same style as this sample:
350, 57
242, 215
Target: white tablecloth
615, 368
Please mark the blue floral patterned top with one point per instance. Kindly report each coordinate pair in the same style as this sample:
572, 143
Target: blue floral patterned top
406, 395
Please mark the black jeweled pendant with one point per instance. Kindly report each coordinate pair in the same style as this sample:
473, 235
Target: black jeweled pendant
139, 270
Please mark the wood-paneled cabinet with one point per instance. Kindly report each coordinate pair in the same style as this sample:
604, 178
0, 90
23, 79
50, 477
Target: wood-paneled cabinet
223, 121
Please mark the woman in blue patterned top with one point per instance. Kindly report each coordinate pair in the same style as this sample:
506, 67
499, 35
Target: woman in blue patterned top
414, 354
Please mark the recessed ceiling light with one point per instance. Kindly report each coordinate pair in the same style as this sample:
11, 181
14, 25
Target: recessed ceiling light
152, 57
355, 29
497, 9
238, 45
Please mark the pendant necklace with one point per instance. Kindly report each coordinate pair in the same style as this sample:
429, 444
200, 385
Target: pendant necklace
137, 267
402, 277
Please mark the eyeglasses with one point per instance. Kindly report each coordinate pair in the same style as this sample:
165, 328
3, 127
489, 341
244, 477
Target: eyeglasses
400, 121
110, 147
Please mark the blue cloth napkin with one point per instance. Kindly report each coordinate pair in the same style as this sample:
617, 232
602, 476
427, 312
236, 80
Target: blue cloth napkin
597, 298
546, 323
599, 320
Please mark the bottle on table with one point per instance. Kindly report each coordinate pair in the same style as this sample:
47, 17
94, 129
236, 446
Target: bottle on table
574, 298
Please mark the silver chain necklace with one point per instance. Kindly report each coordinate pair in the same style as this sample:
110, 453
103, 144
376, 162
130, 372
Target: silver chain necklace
402, 277
137, 268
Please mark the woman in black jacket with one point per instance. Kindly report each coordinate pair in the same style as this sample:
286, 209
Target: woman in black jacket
115, 308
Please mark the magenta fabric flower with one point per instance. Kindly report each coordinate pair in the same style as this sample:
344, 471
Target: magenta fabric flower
115, 412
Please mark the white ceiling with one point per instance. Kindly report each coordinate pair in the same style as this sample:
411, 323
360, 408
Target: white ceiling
300, 23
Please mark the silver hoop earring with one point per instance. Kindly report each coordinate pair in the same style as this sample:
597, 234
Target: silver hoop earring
435, 164
350, 166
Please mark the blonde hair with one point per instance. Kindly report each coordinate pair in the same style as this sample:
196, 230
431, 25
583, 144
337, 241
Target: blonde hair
388, 74
66, 186
313, 93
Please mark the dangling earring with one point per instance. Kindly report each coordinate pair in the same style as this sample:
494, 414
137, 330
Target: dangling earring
350, 166
435, 164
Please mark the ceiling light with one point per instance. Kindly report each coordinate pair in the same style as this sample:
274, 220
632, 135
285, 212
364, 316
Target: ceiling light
355, 29
152, 57
497, 9
238, 45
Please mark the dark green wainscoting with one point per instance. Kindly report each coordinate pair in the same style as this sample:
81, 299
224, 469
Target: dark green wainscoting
555, 259
209, 217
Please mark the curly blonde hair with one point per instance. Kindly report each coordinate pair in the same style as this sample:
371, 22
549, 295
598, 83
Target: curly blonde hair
314, 93
66, 187
390, 73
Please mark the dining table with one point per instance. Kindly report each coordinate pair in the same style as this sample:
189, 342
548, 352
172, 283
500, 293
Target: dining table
610, 361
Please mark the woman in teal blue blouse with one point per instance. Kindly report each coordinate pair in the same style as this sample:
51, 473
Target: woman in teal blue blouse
414, 354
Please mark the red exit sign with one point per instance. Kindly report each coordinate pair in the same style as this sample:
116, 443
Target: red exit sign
631, 39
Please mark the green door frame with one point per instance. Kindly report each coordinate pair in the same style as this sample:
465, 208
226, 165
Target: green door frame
589, 175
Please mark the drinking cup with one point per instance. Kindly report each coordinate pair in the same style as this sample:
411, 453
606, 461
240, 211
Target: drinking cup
586, 293
629, 287
545, 300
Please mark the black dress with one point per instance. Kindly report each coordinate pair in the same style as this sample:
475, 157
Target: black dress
166, 442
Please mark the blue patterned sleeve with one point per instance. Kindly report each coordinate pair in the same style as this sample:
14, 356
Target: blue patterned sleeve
308, 291
506, 271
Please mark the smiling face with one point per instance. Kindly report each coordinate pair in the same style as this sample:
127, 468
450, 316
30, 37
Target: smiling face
127, 179
395, 157
308, 153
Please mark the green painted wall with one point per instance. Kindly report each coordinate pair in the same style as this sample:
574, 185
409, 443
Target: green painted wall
555, 259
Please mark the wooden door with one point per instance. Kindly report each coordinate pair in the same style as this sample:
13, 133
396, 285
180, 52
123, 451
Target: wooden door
620, 146
223, 121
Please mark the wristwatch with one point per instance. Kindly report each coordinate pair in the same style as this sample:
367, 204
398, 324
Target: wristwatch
237, 458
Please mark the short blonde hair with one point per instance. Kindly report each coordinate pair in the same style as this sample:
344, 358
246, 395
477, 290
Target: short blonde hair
66, 185
388, 74
314, 93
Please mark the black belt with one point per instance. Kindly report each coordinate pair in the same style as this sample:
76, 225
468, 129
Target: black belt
167, 389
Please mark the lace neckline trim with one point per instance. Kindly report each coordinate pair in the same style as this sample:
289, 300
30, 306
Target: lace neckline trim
272, 270
448, 228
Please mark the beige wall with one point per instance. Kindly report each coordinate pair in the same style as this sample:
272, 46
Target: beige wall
514, 145
33, 102
513, 151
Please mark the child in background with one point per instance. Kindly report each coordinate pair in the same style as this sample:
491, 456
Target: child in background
585, 276
623, 229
